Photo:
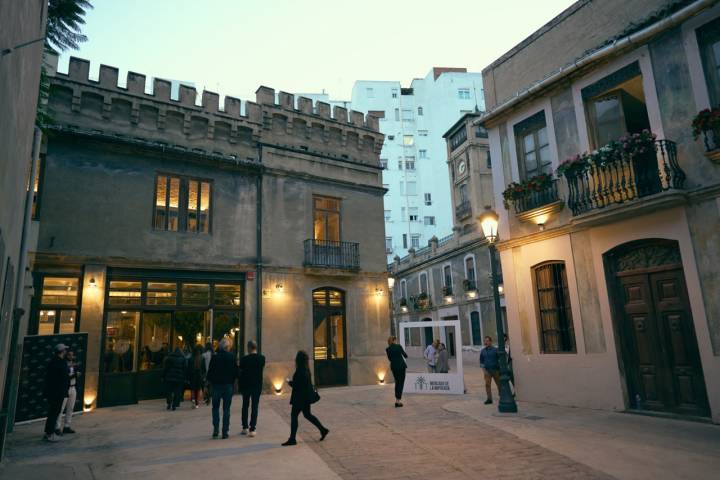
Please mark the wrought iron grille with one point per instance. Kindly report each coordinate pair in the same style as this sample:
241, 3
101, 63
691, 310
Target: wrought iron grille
330, 254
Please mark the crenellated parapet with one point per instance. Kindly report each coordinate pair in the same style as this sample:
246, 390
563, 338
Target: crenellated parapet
233, 129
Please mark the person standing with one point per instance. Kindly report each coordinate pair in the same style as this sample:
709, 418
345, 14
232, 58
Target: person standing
511, 380
174, 378
396, 354
303, 395
490, 363
68, 405
430, 355
251, 382
442, 365
57, 384
197, 375
207, 355
221, 374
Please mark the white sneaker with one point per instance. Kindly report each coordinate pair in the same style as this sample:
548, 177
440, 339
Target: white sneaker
50, 438
244, 431
252, 433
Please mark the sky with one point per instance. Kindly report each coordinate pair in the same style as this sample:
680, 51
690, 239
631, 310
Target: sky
304, 46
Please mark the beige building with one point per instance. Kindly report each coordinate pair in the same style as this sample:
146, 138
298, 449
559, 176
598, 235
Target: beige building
165, 223
21, 48
449, 279
611, 264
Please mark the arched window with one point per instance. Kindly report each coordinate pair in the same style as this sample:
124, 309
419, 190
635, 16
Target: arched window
553, 308
470, 268
424, 283
475, 328
403, 289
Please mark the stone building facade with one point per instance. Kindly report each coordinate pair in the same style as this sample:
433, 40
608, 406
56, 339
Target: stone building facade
610, 257
167, 223
450, 278
21, 50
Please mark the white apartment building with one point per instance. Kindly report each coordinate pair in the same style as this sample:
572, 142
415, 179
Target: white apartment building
418, 204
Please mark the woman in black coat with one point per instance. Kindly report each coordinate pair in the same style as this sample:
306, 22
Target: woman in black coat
302, 397
396, 354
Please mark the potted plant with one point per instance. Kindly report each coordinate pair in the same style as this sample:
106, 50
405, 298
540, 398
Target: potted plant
519, 191
469, 285
447, 291
639, 148
572, 166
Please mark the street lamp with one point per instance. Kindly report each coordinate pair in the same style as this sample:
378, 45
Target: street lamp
489, 224
391, 284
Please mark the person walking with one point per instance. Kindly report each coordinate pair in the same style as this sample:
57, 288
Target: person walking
511, 380
431, 355
197, 375
490, 363
250, 384
442, 365
396, 354
221, 374
174, 378
207, 355
57, 384
303, 395
68, 405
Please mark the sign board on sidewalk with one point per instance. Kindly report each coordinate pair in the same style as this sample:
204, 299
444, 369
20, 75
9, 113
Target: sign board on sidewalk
433, 383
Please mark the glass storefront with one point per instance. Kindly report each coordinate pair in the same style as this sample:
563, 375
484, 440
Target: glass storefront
147, 319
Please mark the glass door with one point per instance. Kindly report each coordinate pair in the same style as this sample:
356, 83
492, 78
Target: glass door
119, 358
154, 346
329, 353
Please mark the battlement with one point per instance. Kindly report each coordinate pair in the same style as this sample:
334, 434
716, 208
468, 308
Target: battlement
296, 123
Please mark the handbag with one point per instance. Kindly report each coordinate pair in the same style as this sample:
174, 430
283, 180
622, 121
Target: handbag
314, 395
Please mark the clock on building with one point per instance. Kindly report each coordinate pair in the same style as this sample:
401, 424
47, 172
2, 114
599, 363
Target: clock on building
461, 167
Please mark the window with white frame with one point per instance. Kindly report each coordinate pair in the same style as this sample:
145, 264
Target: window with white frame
408, 140
388, 245
407, 115
428, 199
413, 217
422, 133
410, 164
370, 92
470, 268
447, 276
415, 240
708, 37
429, 220
424, 283
463, 93
422, 153
394, 93
400, 164
533, 147
411, 188
420, 111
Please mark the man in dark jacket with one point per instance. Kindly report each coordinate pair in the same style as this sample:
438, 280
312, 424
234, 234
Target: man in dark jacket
221, 374
251, 382
57, 383
174, 378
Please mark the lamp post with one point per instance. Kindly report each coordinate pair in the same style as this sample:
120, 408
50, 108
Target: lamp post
489, 224
391, 284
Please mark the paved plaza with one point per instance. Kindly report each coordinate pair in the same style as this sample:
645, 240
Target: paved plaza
431, 437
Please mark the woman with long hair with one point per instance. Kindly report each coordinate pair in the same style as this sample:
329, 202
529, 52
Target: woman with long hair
303, 395
396, 354
197, 375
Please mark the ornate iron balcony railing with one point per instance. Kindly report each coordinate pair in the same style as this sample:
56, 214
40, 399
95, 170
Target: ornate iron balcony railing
537, 198
330, 254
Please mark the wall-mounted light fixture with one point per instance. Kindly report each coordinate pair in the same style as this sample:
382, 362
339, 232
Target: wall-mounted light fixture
448, 299
381, 377
279, 287
378, 291
391, 282
403, 309
277, 387
472, 294
501, 289
92, 283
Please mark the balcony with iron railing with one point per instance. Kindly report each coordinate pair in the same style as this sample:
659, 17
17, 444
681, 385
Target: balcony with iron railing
620, 176
463, 210
332, 254
711, 141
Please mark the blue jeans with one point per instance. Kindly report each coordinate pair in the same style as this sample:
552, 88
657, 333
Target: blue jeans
224, 392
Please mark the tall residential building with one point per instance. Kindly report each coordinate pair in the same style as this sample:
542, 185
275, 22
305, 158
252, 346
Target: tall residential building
418, 204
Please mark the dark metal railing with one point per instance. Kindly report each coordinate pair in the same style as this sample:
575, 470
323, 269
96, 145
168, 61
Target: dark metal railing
711, 139
330, 254
463, 210
537, 198
624, 178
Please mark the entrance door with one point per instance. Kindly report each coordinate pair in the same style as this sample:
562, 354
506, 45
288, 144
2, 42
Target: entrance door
119, 358
658, 342
155, 345
329, 352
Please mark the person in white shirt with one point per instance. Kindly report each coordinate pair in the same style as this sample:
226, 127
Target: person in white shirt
69, 403
431, 355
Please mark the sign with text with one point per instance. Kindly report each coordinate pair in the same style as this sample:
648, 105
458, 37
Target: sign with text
432, 382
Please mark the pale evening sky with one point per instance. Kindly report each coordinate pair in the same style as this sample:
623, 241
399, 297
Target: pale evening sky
234, 46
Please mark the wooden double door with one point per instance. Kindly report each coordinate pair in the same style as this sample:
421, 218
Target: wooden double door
657, 337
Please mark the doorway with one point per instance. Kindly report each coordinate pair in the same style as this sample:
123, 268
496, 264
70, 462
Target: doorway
329, 345
655, 330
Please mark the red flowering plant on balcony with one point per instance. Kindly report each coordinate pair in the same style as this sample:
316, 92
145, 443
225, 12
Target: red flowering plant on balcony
636, 143
573, 165
517, 191
705, 121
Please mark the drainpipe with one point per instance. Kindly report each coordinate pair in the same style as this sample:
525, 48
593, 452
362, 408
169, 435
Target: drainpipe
632, 39
258, 261
18, 312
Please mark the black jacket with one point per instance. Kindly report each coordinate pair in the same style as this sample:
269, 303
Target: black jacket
222, 369
302, 388
57, 378
251, 371
395, 354
175, 367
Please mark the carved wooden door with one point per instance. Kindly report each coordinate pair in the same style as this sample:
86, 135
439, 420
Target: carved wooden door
660, 352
